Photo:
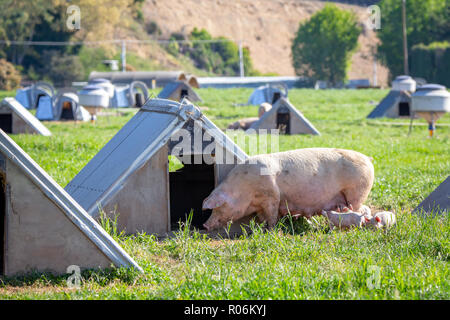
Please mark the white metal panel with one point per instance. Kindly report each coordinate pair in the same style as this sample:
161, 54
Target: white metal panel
127, 151
66, 203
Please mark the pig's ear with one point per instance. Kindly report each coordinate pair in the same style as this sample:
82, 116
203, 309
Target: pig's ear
215, 200
378, 219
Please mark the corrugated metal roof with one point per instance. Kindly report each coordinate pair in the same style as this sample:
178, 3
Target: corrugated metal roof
248, 82
140, 138
72, 210
26, 116
161, 77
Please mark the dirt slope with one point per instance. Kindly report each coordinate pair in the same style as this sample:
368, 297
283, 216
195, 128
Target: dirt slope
266, 27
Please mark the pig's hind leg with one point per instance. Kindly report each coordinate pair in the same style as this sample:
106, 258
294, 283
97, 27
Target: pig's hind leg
338, 203
355, 198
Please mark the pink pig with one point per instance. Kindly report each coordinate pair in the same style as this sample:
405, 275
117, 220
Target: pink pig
300, 182
345, 220
382, 220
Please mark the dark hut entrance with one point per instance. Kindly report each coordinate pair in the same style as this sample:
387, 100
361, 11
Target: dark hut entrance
67, 111
6, 122
38, 99
189, 186
184, 93
403, 109
139, 98
275, 98
284, 120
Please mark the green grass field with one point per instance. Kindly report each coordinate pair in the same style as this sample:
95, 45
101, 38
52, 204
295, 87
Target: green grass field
295, 260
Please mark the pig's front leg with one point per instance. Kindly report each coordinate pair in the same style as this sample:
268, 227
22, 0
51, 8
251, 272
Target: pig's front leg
269, 214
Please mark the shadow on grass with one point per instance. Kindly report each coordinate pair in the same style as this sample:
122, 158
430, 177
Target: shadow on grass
286, 225
102, 277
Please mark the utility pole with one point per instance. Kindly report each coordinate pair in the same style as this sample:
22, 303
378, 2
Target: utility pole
124, 56
375, 82
241, 60
405, 41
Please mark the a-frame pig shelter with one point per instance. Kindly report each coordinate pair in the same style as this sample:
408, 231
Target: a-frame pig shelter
15, 119
130, 175
41, 227
396, 104
438, 201
398, 101
286, 118
179, 90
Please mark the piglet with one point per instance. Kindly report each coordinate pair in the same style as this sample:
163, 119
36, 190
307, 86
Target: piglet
381, 220
346, 220
365, 211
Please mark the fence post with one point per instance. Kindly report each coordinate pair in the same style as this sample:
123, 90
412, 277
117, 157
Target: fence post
405, 41
124, 56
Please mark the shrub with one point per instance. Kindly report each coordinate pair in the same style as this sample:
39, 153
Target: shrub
427, 21
63, 69
9, 76
221, 57
323, 45
152, 28
431, 62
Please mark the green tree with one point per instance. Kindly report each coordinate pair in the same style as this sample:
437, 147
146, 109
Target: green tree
62, 69
427, 21
323, 45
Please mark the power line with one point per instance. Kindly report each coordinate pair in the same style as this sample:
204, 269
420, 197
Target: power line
123, 43
116, 41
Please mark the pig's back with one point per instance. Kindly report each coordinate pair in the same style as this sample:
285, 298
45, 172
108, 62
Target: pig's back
318, 168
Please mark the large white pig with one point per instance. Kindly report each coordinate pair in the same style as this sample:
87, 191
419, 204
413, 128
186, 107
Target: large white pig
303, 182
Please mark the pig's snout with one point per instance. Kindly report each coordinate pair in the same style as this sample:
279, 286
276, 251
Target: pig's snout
213, 222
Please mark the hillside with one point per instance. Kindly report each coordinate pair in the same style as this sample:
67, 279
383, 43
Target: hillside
266, 27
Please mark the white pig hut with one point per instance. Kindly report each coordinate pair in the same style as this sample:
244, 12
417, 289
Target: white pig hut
398, 101
42, 228
269, 93
286, 118
30, 97
129, 178
177, 91
67, 107
15, 119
